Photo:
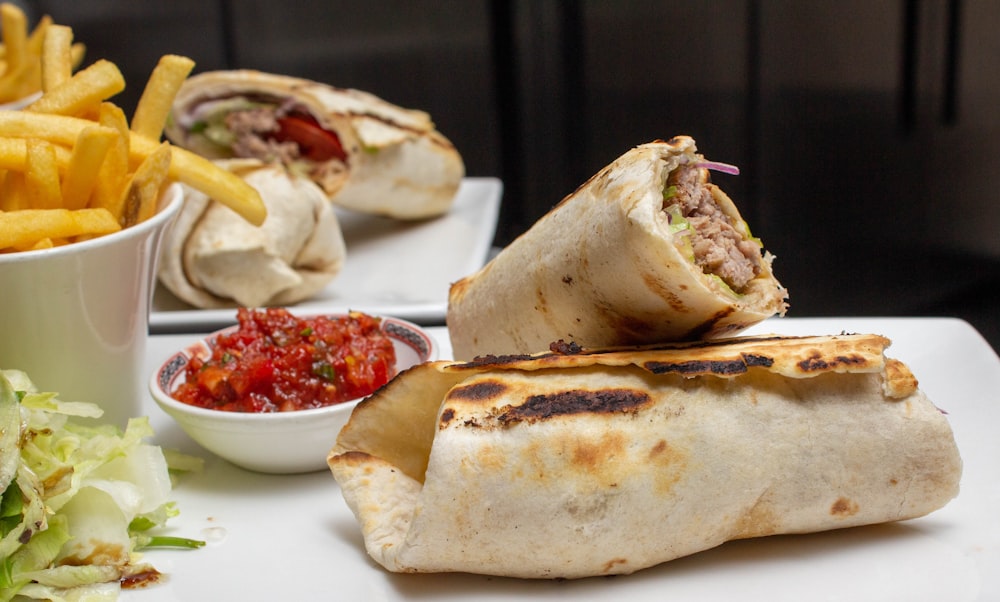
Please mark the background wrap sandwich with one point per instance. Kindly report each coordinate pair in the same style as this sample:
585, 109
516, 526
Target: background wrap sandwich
213, 258
602, 463
647, 250
365, 153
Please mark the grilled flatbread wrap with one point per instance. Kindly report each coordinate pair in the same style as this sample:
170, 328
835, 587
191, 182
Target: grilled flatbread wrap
575, 463
211, 258
647, 250
365, 153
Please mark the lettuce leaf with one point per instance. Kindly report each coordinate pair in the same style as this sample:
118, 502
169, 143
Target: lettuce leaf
81, 499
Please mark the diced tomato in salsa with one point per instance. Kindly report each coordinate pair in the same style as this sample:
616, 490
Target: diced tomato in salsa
276, 362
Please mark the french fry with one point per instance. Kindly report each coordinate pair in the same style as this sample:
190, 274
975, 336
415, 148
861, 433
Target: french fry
22, 52
45, 243
21, 229
91, 222
18, 76
201, 174
88, 155
14, 152
58, 129
14, 26
143, 188
36, 39
113, 175
57, 57
12, 196
154, 105
85, 90
41, 176
77, 51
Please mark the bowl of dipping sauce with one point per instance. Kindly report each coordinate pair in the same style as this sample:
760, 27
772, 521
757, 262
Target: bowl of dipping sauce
271, 393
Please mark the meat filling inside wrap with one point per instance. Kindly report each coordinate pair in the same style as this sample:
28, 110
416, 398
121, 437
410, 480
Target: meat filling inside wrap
717, 243
271, 130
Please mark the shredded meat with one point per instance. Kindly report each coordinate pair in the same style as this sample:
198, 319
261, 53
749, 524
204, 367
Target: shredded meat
718, 247
249, 129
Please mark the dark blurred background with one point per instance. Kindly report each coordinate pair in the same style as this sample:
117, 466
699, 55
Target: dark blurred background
868, 133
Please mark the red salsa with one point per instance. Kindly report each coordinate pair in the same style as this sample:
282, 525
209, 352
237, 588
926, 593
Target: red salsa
276, 362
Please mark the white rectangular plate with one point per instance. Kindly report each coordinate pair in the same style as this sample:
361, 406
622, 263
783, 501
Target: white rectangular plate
393, 268
293, 537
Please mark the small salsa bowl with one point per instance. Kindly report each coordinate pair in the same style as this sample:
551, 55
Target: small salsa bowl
278, 442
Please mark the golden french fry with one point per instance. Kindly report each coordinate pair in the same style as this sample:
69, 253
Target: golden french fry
154, 105
20, 75
45, 243
58, 129
14, 26
89, 223
20, 229
143, 189
36, 39
14, 152
12, 196
57, 57
113, 174
41, 176
84, 166
76, 53
86, 89
201, 174
19, 84
20, 58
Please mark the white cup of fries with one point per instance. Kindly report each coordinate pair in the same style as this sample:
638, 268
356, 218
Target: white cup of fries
85, 197
75, 317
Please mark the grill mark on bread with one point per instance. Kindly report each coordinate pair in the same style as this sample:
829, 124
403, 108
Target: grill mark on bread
816, 362
800, 357
575, 401
721, 367
480, 391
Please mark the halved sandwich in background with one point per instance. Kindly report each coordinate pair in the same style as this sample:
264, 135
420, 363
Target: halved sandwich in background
648, 250
366, 154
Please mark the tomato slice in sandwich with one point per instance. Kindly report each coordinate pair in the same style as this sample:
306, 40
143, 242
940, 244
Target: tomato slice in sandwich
315, 143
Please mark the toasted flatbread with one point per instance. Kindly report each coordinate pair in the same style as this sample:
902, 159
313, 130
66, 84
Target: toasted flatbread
394, 163
211, 258
576, 463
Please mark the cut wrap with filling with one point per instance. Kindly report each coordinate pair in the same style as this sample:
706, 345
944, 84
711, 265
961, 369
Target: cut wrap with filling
577, 463
211, 258
647, 250
365, 153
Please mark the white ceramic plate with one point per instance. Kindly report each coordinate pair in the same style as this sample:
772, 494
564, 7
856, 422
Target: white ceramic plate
292, 537
393, 268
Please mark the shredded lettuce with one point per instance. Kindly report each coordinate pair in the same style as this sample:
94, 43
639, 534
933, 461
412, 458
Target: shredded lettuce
678, 225
676, 220
79, 501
